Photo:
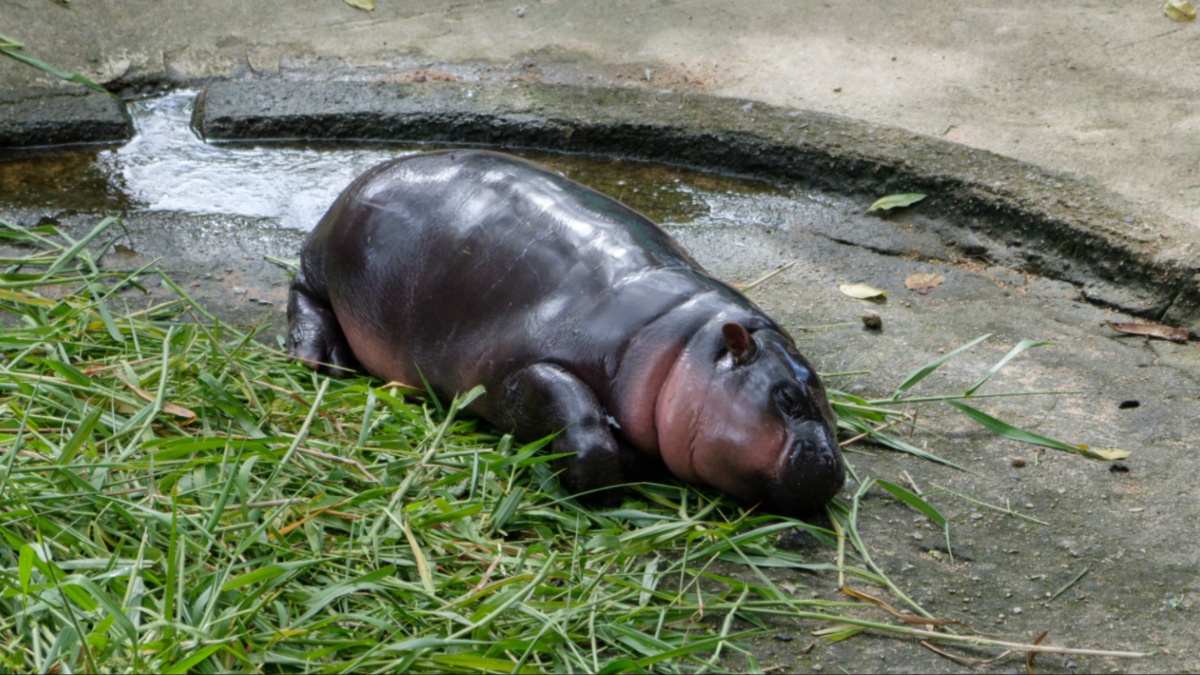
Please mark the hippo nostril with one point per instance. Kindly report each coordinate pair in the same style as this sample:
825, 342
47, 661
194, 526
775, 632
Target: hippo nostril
811, 473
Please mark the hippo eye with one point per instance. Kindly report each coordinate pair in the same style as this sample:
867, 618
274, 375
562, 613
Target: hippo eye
790, 401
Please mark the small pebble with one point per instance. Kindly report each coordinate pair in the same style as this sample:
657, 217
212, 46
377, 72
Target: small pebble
872, 320
783, 637
1018, 462
520, 12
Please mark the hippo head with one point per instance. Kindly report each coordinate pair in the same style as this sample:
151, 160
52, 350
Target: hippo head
743, 411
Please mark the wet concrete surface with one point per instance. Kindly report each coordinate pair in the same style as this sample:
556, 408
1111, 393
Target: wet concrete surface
1128, 533
1101, 90
41, 117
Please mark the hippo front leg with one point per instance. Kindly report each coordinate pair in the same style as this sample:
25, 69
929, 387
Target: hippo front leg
314, 334
543, 399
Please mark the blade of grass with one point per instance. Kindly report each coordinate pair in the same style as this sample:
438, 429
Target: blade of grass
924, 371
1021, 346
11, 48
1007, 430
913, 500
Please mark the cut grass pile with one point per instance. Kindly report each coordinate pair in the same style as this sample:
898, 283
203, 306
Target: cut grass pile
176, 497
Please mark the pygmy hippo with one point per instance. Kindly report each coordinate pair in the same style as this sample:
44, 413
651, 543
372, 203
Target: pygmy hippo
576, 313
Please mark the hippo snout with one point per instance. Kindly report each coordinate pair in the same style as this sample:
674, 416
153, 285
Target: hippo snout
810, 473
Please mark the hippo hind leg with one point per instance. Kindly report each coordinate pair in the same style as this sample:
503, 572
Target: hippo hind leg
314, 334
543, 399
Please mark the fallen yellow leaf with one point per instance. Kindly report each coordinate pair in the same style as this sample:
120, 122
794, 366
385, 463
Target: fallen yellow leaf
862, 291
1111, 454
1179, 10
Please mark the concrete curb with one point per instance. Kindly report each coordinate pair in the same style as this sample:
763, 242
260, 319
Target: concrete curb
1009, 211
37, 117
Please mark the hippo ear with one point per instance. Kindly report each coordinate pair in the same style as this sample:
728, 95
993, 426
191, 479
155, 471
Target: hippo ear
738, 342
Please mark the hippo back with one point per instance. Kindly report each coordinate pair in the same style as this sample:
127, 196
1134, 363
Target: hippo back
478, 263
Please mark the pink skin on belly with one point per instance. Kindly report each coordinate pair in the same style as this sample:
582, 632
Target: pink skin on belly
377, 357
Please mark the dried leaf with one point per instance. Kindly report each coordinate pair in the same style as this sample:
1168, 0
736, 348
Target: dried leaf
1110, 454
906, 618
896, 201
839, 632
361, 4
862, 291
1151, 330
170, 408
1179, 10
963, 660
1029, 655
923, 282
311, 515
747, 287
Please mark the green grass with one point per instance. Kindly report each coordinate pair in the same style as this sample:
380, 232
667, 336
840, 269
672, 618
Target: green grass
15, 50
177, 497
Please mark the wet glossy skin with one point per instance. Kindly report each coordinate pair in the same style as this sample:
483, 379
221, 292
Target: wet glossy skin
576, 313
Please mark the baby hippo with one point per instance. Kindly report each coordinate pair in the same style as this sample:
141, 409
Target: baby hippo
577, 314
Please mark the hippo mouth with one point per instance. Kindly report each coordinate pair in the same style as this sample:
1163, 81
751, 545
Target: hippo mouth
810, 473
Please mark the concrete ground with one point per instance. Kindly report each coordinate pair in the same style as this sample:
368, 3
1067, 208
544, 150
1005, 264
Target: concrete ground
1109, 94
1104, 90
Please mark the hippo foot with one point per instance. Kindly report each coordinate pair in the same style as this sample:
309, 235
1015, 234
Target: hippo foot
592, 464
544, 399
314, 335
